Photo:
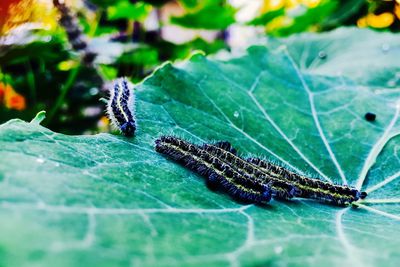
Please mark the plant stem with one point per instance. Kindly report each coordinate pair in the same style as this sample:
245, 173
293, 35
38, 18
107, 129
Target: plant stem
31, 83
65, 88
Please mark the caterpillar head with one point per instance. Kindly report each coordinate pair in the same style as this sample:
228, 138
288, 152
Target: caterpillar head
128, 128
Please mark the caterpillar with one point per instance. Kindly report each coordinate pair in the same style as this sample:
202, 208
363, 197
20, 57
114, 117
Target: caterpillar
225, 152
242, 177
307, 187
220, 174
312, 188
121, 106
75, 35
217, 174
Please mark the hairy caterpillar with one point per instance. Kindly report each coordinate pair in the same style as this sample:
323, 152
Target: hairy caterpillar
121, 106
312, 188
225, 152
216, 173
307, 187
221, 174
242, 178
75, 35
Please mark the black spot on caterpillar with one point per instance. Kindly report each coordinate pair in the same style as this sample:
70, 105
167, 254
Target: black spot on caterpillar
217, 173
370, 116
312, 188
75, 35
120, 106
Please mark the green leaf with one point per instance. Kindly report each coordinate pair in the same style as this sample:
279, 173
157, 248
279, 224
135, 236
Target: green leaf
198, 4
345, 12
107, 200
371, 58
125, 10
267, 17
108, 72
312, 17
40, 116
214, 16
189, 3
141, 56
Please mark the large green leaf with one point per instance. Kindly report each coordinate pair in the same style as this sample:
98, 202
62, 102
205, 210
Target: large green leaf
106, 200
369, 57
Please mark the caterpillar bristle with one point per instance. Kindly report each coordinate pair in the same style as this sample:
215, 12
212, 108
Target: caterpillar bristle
252, 180
218, 174
121, 106
225, 145
312, 188
247, 169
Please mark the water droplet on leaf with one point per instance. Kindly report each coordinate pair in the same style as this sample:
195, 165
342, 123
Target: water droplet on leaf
236, 114
385, 48
322, 55
278, 249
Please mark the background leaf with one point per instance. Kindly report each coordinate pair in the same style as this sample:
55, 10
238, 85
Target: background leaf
267, 17
125, 10
106, 200
344, 13
309, 18
371, 58
212, 15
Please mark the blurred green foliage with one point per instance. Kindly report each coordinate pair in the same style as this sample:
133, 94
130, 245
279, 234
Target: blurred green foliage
126, 10
131, 38
212, 15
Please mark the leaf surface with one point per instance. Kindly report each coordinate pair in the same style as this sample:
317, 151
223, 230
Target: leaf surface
106, 200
